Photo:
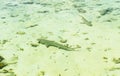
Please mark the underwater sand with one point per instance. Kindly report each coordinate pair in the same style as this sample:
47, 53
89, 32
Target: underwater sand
91, 27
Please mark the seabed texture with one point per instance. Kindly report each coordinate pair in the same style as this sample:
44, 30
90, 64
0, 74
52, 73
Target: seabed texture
59, 38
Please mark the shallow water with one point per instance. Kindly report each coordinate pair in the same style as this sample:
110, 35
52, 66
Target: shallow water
91, 27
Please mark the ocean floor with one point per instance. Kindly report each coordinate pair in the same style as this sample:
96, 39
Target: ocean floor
59, 38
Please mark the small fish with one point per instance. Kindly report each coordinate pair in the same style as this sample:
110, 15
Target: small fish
85, 21
49, 43
32, 26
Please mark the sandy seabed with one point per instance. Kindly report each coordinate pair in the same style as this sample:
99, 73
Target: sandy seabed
90, 27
